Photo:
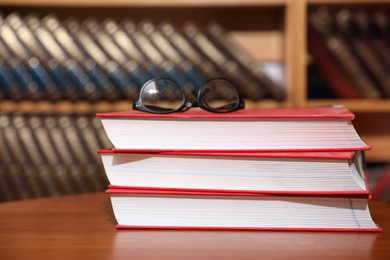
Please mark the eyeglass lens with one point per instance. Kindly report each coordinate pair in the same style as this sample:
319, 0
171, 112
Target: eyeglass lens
162, 95
219, 95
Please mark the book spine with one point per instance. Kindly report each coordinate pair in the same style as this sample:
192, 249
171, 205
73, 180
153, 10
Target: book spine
351, 28
246, 85
48, 155
10, 87
328, 69
373, 51
321, 20
189, 51
220, 38
193, 75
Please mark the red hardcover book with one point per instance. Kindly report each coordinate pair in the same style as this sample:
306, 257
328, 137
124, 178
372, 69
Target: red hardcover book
156, 209
283, 173
247, 130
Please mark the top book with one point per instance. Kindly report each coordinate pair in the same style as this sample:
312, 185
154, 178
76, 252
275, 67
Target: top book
280, 129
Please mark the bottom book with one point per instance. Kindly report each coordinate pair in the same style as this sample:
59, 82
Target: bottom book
152, 209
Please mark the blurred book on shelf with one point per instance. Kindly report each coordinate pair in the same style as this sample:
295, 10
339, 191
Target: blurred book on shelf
348, 49
50, 155
45, 58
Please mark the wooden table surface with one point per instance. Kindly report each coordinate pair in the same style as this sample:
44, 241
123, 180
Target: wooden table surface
83, 227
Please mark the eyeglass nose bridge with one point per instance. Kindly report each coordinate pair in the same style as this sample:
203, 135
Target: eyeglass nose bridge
188, 105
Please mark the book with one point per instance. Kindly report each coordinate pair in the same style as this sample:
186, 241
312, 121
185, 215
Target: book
351, 25
190, 51
340, 85
261, 172
151, 209
10, 87
50, 155
195, 79
279, 129
380, 51
374, 34
220, 38
248, 87
322, 23
34, 56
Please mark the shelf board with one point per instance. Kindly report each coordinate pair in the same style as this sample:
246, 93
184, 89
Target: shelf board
265, 104
84, 107
145, 3
346, 2
358, 105
62, 107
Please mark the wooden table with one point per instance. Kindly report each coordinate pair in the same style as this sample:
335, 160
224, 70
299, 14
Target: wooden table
83, 227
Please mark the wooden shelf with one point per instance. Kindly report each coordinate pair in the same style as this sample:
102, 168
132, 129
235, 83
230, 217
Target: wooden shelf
346, 2
152, 3
63, 107
84, 107
357, 106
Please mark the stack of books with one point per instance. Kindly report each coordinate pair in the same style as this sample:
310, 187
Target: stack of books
269, 169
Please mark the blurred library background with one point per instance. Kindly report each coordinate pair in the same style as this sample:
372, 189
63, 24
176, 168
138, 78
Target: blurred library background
63, 62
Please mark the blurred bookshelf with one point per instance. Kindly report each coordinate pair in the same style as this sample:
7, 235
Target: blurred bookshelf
268, 31
263, 29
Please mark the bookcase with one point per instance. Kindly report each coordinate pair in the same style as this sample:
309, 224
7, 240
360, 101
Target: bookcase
269, 30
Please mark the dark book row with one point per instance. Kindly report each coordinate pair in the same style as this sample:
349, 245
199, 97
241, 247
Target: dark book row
45, 58
49, 155
350, 49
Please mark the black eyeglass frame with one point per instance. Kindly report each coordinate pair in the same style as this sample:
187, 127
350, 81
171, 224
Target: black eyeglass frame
185, 105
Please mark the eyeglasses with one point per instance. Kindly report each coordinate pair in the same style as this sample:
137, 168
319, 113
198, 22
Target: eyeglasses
164, 96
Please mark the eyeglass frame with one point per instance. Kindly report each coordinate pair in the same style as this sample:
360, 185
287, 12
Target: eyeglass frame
138, 105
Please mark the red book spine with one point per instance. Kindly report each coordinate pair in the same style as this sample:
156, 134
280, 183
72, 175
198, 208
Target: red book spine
127, 190
347, 155
376, 230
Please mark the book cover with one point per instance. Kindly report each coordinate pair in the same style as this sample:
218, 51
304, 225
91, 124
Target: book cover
149, 209
280, 113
